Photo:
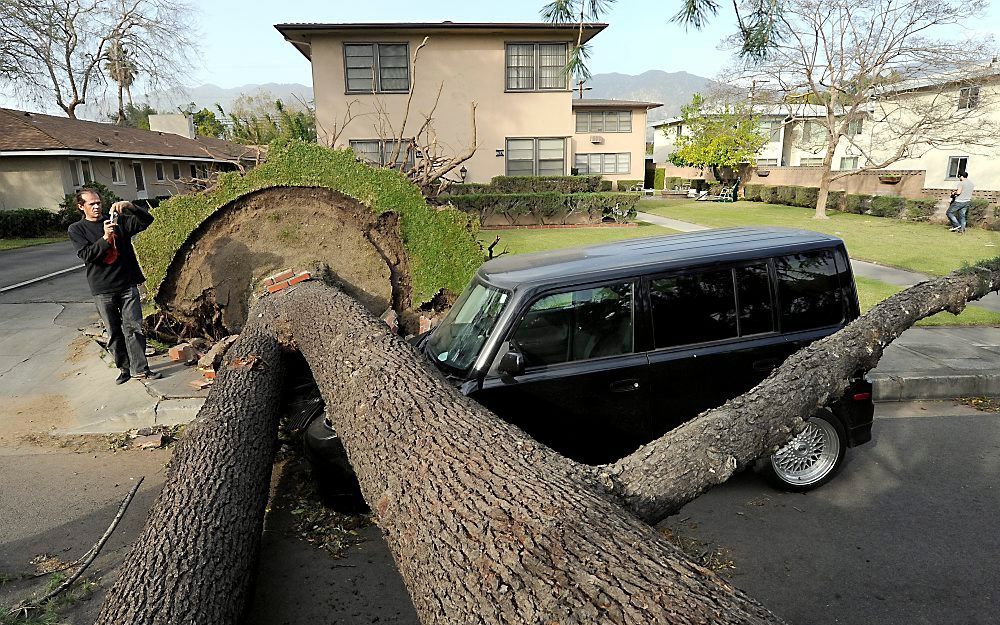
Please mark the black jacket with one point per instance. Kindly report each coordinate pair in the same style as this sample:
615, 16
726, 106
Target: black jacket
88, 241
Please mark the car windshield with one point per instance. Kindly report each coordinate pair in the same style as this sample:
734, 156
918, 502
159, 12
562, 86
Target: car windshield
456, 341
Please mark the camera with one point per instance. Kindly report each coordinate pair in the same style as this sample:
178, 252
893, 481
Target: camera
113, 216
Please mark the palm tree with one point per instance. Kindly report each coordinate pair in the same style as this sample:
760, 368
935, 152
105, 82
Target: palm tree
122, 69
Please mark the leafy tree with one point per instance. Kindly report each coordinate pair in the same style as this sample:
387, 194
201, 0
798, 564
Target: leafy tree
206, 124
722, 136
135, 116
260, 118
122, 70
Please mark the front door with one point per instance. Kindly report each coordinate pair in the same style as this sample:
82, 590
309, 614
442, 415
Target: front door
140, 181
584, 389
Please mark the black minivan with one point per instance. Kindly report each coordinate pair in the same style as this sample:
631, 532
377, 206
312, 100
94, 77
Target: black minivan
595, 351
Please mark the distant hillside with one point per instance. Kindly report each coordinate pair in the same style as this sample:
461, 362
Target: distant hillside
206, 96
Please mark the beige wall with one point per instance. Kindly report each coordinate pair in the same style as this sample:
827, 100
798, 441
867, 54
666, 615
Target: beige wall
867, 182
633, 143
467, 68
30, 182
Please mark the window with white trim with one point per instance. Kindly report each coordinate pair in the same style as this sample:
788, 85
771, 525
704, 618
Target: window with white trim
377, 67
603, 121
813, 132
811, 162
767, 162
968, 98
536, 157
771, 128
680, 131
116, 172
617, 163
848, 163
160, 174
855, 127
194, 170
536, 66
956, 165
85, 172
74, 172
177, 171
379, 151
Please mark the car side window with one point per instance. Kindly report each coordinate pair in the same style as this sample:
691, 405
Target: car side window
693, 308
577, 325
754, 298
808, 291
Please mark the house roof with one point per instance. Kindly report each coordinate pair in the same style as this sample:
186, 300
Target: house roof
299, 35
795, 111
583, 103
23, 131
966, 76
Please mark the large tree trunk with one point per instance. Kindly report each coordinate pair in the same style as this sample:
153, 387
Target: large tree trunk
481, 519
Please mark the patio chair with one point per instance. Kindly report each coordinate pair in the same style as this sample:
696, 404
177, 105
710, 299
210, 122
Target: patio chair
729, 194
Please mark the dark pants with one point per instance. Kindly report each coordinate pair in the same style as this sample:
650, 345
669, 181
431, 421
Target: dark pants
121, 313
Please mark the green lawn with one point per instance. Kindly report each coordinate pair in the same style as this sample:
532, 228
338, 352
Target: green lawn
915, 246
871, 292
522, 240
13, 244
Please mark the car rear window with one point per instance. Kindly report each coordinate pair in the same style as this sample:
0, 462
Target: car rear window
809, 291
693, 308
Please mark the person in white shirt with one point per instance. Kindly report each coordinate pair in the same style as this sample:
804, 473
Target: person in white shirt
962, 198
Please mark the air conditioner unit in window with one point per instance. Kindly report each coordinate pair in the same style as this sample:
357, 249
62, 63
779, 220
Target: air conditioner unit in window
596, 139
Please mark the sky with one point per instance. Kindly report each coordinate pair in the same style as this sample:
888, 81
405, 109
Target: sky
240, 46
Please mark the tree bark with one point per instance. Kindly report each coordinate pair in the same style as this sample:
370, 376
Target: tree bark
481, 519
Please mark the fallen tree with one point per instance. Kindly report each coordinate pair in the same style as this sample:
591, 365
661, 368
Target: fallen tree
481, 519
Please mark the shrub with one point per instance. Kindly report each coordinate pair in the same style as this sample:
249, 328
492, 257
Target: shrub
659, 179
751, 192
715, 188
835, 200
68, 212
886, 206
806, 197
549, 208
543, 184
769, 194
857, 204
786, 195
920, 210
628, 185
605, 185
977, 211
618, 207
27, 223
673, 181
467, 188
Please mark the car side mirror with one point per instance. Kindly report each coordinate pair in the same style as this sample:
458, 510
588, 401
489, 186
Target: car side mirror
512, 363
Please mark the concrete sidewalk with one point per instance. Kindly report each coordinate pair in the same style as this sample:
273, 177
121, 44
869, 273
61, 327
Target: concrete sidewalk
923, 363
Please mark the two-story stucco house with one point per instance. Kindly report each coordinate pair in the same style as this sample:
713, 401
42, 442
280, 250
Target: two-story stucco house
527, 122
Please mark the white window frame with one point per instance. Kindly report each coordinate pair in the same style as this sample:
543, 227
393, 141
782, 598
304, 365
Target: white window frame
86, 173
766, 162
376, 66
812, 161
176, 170
968, 98
608, 163
535, 75
161, 174
849, 158
855, 127
680, 131
607, 119
536, 160
957, 164
74, 172
771, 128
384, 148
810, 128
117, 177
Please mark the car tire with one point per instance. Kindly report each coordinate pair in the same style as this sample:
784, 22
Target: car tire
812, 458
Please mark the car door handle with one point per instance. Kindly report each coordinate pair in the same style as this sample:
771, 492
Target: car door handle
767, 364
624, 386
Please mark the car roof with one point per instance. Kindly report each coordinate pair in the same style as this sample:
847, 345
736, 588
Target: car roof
650, 254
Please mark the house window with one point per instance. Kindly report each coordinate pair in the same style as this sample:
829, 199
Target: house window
771, 129
160, 175
536, 66
956, 165
680, 131
194, 170
968, 98
116, 172
812, 132
177, 171
377, 67
604, 121
854, 127
74, 172
536, 157
379, 152
620, 163
85, 173
848, 162
811, 162
767, 162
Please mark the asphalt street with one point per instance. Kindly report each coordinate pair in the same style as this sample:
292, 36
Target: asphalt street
24, 264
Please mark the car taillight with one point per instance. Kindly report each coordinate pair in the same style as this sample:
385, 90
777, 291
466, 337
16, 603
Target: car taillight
862, 396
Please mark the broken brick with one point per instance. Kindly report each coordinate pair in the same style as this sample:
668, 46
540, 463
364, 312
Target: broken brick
201, 384
182, 352
274, 288
281, 276
391, 319
302, 277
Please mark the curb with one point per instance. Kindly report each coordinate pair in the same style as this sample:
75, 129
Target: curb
886, 387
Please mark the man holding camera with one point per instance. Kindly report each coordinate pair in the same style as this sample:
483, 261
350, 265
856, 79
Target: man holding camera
104, 244
961, 198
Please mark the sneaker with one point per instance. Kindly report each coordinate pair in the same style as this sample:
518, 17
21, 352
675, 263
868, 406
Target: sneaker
955, 229
149, 375
123, 376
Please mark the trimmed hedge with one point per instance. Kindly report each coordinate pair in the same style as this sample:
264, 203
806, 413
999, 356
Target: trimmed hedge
834, 200
549, 207
886, 206
467, 188
440, 244
659, 178
857, 204
920, 210
28, 223
542, 184
626, 185
806, 197
786, 195
605, 185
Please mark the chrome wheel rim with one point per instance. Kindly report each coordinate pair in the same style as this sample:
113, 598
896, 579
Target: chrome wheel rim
810, 456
